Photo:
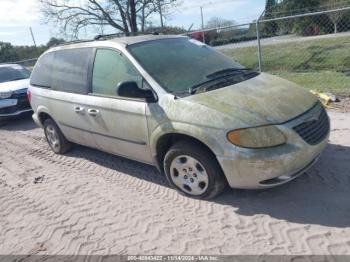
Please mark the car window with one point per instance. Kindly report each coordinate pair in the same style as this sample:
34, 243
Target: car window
110, 69
70, 70
41, 75
179, 64
13, 73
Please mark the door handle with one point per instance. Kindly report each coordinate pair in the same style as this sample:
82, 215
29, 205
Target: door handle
93, 112
79, 110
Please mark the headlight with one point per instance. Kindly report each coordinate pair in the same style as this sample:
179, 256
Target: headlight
4, 95
258, 137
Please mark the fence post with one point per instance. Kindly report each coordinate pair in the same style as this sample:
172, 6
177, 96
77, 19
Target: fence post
259, 42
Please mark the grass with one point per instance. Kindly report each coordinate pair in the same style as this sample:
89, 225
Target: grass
315, 64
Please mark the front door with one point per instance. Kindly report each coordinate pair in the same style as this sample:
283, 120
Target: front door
118, 124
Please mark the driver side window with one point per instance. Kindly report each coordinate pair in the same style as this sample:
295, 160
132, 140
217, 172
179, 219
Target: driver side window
110, 69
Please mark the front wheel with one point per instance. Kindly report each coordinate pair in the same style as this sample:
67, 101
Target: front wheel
58, 143
194, 171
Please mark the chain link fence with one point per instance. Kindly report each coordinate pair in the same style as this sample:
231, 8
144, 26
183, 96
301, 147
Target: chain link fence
312, 49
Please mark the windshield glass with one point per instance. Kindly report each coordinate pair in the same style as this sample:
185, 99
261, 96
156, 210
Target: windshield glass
181, 64
12, 73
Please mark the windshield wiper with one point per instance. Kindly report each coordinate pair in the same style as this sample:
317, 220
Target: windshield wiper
194, 89
223, 78
228, 71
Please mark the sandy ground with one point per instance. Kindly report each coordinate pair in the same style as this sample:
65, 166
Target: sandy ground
89, 202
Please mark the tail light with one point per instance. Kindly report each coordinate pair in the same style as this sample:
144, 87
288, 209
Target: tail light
29, 96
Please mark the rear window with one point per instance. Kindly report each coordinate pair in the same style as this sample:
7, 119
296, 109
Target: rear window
64, 70
13, 73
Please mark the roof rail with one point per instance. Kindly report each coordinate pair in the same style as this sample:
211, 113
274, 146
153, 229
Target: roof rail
106, 37
74, 42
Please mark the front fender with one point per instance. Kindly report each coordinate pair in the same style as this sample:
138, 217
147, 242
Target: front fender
211, 137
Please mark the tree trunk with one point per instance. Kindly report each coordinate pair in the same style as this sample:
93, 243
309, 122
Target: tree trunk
133, 18
335, 27
161, 14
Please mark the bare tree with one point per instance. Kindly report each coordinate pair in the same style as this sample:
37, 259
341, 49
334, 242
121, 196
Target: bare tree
216, 22
123, 15
336, 16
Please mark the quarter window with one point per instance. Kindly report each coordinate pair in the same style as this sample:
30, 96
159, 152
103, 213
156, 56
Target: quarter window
41, 75
110, 69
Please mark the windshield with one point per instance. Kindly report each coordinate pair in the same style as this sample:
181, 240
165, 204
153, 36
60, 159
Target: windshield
12, 73
180, 65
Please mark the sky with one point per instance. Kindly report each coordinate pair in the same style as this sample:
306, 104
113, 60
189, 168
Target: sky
17, 16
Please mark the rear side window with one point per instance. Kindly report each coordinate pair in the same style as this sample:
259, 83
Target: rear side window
41, 75
70, 70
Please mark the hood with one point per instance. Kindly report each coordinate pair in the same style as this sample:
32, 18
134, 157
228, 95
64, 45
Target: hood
14, 85
262, 100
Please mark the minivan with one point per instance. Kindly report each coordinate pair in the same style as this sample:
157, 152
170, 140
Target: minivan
202, 119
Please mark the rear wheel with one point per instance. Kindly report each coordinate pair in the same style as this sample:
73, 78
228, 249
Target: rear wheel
58, 143
194, 171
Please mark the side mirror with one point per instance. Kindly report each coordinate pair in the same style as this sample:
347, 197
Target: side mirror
131, 89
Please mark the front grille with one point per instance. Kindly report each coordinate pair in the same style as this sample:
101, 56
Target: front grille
22, 104
316, 130
19, 96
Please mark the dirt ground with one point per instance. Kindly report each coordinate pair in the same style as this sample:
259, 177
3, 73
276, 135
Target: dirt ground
89, 202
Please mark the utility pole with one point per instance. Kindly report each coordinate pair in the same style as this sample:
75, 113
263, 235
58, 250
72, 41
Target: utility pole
161, 14
31, 32
202, 17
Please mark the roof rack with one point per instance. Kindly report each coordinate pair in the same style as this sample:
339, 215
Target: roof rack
106, 37
74, 42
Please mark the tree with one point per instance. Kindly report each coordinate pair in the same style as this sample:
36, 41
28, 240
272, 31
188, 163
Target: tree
216, 22
10, 53
55, 41
167, 30
297, 6
270, 5
123, 15
213, 35
337, 16
270, 28
7, 53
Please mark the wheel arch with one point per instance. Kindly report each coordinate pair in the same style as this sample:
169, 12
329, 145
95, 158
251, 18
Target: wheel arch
41, 114
165, 141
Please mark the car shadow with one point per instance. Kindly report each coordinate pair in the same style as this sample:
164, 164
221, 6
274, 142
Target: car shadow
20, 123
120, 164
320, 197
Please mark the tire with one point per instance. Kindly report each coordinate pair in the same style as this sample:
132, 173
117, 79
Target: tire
56, 140
200, 175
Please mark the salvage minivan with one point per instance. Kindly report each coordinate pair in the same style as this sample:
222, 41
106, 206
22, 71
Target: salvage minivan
173, 102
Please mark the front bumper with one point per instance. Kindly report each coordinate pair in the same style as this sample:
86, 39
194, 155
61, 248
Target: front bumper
14, 107
264, 168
